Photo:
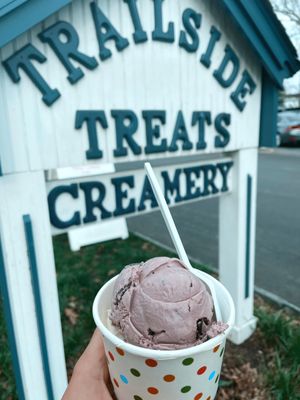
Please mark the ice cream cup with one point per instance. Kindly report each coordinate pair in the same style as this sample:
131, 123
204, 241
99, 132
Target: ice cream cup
138, 373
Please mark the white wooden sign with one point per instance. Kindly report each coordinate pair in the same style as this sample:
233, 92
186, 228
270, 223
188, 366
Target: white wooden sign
114, 82
194, 90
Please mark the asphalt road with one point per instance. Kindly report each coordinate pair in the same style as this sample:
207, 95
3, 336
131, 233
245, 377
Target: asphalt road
278, 226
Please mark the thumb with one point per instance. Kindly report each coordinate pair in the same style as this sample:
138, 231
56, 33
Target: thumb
93, 360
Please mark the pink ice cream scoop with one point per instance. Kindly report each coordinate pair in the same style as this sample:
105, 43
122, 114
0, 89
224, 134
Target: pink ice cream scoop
160, 304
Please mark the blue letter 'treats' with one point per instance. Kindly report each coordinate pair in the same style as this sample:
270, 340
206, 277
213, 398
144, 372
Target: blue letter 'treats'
153, 131
126, 125
202, 118
91, 118
224, 138
180, 133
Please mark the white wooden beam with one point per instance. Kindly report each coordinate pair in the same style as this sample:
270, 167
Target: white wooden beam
29, 268
237, 225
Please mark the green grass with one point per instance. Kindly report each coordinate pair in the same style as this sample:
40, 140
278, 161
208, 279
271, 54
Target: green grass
81, 274
282, 370
7, 385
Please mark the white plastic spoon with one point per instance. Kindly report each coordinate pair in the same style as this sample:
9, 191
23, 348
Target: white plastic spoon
176, 238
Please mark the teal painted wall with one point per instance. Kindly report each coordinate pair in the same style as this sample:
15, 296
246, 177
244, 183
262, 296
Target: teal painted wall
20, 15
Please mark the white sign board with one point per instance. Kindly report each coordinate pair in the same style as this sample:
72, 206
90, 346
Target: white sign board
114, 82
194, 89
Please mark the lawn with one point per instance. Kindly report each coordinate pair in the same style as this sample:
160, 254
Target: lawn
264, 367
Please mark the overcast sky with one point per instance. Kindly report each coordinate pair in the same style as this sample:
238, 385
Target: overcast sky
292, 85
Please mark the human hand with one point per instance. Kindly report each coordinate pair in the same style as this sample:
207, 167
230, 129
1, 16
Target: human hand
90, 378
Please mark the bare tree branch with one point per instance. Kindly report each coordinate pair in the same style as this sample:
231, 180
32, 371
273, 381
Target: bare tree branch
289, 8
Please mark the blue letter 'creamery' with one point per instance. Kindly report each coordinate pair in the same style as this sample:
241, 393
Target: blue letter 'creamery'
126, 193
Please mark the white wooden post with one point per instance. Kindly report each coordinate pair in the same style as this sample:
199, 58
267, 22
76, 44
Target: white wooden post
237, 214
28, 261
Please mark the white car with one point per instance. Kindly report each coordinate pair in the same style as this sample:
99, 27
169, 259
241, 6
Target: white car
288, 127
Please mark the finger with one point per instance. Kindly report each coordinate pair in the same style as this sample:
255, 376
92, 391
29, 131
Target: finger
90, 375
95, 349
82, 389
96, 345
93, 360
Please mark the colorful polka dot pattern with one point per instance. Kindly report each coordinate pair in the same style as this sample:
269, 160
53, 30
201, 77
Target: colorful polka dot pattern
186, 389
153, 390
216, 348
188, 361
121, 352
124, 379
169, 378
111, 356
211, 375
116, 382
151, 363
135, 372
202, 370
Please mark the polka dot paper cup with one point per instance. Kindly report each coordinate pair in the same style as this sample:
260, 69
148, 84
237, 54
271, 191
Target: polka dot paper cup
145, 374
